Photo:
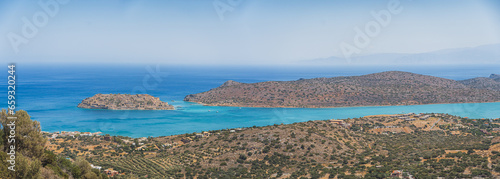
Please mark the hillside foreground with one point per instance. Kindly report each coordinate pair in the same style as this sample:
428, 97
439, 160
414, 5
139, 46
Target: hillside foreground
382, 146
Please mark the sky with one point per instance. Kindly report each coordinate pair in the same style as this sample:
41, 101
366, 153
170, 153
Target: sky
237, 31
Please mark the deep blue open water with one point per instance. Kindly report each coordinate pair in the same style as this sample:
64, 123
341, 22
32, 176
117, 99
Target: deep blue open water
50, 94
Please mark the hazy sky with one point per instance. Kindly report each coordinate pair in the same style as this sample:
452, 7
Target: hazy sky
251, 32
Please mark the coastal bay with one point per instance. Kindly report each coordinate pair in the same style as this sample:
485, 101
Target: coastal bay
51, 98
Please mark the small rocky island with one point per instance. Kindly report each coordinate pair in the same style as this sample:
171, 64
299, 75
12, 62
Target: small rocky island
125, 102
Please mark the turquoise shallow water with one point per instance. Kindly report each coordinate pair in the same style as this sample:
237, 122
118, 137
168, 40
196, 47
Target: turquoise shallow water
50, 95
194, 117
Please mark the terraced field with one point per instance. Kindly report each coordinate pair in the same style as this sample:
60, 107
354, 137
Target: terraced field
141, 166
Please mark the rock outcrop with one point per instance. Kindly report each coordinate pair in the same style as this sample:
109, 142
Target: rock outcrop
495, 77
125, 102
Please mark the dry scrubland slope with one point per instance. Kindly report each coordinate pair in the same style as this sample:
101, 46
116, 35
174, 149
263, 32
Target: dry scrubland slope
386, 88
423, 145
125, 102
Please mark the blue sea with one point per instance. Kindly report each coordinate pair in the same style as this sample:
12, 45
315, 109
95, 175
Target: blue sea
51, 92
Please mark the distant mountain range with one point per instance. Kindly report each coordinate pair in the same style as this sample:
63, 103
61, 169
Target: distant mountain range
486, 54
386, 88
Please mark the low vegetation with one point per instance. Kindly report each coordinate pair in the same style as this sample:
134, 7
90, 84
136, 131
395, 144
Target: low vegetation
386, 88
409, 145
32, 160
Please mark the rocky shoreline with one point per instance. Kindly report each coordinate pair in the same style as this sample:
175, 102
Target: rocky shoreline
125, 102
393, 88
